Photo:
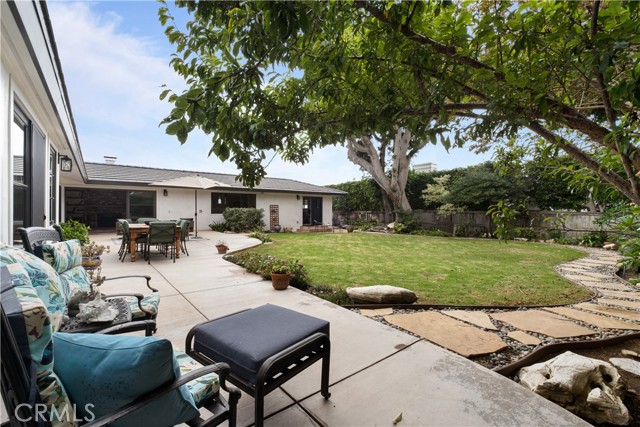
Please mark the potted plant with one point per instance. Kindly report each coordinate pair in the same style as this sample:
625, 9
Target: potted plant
92, 261
91, 253
349, 228
280, 275
222, 247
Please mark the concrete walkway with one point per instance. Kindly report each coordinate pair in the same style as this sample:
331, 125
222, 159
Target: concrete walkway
377, 371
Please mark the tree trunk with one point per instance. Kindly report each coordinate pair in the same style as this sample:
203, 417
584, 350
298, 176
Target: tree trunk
364, 153
387, 206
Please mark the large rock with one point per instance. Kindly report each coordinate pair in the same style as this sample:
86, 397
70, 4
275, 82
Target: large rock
381, 294
589, 388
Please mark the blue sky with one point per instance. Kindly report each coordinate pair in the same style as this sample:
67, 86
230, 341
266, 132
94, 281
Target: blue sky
115, 57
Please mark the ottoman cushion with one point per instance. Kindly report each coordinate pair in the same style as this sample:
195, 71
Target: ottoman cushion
245, 340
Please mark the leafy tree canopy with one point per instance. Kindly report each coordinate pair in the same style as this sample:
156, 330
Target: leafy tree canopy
565, 71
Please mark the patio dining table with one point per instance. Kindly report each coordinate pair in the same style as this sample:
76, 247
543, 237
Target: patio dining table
137, 229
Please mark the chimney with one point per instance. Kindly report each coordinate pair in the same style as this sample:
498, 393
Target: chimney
110, 160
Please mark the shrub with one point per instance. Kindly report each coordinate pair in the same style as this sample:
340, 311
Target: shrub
218, 226
504, 215
564, 240
363, 224
335, 295
262, 236
406, 222
526, 233
72, 229
264, 264
243, 219
431, 232
593, 239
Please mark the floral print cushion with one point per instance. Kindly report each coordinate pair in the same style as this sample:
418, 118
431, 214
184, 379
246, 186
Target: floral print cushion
150, 304
74, 282
200, 388
63, 256
43, 278
38, 330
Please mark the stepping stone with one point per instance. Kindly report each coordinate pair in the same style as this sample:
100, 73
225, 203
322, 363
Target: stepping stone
616, 294
451, 334
620, 303
376, 312
475, 317
626, 364
618, 312
598, 320
543, 322
605, 285
578, 277
524, 338
597, 275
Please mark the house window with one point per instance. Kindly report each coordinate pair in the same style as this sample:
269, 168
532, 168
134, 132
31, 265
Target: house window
221, 201
142, 204
21, 181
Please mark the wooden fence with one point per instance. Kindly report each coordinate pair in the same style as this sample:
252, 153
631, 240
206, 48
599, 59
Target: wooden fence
477, 223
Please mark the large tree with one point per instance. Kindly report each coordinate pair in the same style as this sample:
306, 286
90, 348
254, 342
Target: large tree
565, 71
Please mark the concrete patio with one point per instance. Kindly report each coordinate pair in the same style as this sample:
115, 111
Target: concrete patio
377, 372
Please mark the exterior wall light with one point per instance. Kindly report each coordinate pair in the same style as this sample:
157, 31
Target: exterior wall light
65, 163
165, 192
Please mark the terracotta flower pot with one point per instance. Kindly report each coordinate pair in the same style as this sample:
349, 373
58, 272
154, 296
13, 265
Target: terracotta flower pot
280, 281
222, 249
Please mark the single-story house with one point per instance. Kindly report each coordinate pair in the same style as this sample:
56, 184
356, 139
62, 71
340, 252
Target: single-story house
45, 179
114, 191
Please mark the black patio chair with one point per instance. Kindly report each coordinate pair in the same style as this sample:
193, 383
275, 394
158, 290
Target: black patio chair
151, 391
34, 237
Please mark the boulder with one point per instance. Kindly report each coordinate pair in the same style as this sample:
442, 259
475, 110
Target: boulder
381, 294
590, 388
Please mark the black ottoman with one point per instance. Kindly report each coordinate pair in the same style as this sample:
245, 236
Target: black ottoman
265, 347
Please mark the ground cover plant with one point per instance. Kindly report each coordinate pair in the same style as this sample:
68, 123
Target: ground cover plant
440, 270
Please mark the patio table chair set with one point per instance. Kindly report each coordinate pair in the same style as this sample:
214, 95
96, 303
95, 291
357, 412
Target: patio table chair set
101, 378
161, 235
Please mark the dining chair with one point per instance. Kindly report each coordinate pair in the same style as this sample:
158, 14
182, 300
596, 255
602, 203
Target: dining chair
126, 240
184, 233
162, 235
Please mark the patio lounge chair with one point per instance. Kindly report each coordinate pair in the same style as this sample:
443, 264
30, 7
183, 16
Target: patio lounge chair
34, 237
133, 380
62, 280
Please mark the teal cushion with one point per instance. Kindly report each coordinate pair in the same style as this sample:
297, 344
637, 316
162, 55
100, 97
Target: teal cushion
21, 301
109, 371
43, 278
63, 255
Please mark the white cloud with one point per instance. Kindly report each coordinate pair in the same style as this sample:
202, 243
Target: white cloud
113, 78
114, 67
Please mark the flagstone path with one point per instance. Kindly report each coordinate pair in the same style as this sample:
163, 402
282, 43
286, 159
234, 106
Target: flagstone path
614, 310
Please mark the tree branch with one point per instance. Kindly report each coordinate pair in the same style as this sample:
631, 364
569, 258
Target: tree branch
611, 177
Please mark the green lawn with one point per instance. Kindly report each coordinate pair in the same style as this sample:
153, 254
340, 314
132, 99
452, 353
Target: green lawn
440, 270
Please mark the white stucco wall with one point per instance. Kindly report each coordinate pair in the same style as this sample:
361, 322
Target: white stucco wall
6, 165
180, 203
21, 80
